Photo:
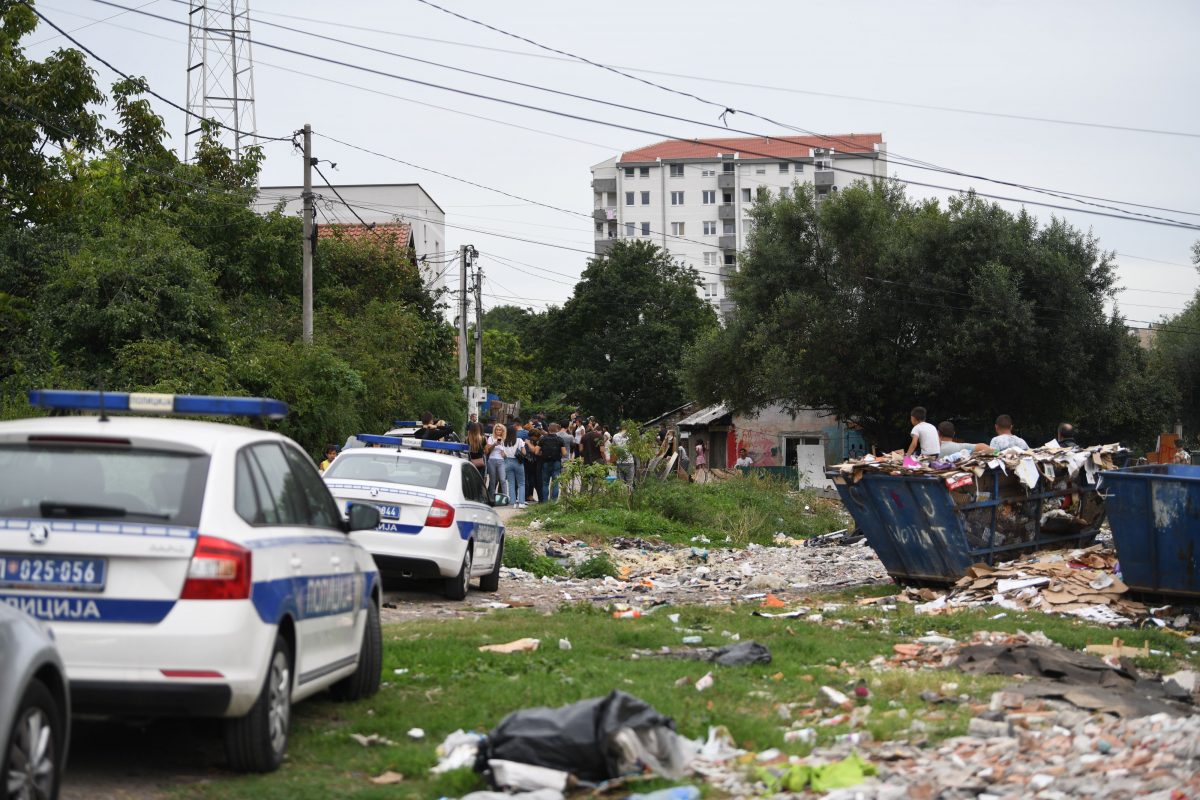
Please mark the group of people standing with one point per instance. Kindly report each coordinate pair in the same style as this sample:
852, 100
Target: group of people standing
525, 460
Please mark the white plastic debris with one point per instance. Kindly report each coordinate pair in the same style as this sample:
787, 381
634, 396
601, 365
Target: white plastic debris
704, 682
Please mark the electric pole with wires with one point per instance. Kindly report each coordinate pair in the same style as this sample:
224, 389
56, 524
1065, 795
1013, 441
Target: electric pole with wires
310, 235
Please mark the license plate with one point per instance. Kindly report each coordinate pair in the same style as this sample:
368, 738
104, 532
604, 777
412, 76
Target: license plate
38, 572
385, 511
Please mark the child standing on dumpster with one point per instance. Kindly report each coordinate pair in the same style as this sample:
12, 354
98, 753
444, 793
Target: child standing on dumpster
924, 436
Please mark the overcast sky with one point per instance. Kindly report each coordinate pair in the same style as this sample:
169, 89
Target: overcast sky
1104, 63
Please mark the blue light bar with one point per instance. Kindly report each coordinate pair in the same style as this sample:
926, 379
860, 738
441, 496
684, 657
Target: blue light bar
405, 423
408, 441
151, 403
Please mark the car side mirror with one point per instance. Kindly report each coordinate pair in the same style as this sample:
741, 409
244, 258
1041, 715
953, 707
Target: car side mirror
501, 500
363, 517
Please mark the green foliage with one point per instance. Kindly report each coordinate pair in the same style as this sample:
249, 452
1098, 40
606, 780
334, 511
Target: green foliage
871, 303
1175, 358
519, 554
508, 370
598, 566
123, 267
587, 486
615, 345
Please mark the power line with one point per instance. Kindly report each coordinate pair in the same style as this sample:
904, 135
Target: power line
149, 91
919, 165
90, 24
916, 163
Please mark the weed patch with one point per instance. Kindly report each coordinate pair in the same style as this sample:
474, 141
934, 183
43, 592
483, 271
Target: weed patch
519, 554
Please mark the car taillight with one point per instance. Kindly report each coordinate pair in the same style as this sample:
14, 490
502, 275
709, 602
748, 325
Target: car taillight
219, 570
441, 515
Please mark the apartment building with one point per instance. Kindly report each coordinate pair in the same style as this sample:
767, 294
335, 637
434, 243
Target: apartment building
693, 198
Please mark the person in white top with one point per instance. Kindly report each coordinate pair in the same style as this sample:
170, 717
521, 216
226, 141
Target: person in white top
743, 459
924, 436
511, 449
495, 461
1004, 437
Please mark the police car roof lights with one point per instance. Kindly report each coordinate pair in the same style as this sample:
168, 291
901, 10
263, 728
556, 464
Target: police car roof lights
154, 403
409, 441
406, 423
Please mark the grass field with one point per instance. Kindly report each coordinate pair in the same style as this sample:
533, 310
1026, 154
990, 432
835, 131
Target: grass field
450, 685
728, 513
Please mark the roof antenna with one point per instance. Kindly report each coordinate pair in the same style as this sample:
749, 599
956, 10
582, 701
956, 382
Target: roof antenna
103, 413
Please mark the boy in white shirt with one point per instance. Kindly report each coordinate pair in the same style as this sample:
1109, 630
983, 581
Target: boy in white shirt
924, 436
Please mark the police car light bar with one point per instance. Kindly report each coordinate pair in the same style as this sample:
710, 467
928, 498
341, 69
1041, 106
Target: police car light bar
405, 423
409, 441
151, 403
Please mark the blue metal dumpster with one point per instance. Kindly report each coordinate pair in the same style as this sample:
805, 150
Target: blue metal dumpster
1154, 512
924, 532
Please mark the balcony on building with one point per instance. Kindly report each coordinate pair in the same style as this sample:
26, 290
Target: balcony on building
726, 307
727, 241
823, 178
726, 180
604, 185
603, 245
727, 271
726, 211
604, 214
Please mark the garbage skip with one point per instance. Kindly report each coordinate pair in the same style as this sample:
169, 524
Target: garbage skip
1154, 512
930, 528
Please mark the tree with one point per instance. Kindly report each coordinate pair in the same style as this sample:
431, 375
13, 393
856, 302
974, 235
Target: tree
616, 344
1175, 355
869, 303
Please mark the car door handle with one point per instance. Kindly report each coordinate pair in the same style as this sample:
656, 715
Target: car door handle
296, 563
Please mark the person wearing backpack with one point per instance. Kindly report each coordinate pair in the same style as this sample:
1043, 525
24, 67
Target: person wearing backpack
552, 448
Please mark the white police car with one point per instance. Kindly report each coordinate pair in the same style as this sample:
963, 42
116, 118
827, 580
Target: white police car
436, 518
186, 568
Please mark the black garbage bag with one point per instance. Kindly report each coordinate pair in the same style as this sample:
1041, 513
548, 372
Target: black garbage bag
742, 654
590, 739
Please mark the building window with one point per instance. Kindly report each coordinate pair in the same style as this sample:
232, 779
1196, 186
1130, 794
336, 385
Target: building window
730, 260
798, 168
599, 229
729, 227
760, 170
747, 227
747, 197
677, 229
644, 172
645, 229
710, 228
728, 167
645, 198
630, 229
823, 163
710, 259
727, 197
708, 173
710, 291
708, 197
676, 198
629, 172
629, 198
783, 168
677, 170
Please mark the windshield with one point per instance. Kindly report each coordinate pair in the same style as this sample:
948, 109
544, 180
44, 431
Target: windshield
119, 483
390, 467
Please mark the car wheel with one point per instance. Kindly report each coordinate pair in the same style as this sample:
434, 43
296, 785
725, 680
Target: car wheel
491, 581
257, 741
456, 587
32, 770
364, 682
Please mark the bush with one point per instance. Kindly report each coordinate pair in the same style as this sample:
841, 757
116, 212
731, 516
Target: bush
598, 566
519, 554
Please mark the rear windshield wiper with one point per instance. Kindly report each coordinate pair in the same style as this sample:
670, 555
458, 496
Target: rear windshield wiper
53, 508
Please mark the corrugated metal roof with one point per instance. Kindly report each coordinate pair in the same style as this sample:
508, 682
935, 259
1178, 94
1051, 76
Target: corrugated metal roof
705, 416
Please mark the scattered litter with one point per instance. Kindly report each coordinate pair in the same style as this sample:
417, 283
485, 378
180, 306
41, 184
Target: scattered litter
850, 771
387, 778
693, 639
803, 736
832, 697
371, 739
457, 750
704, 682
564, 644
519, 646
416, 734
400, 671
673, 793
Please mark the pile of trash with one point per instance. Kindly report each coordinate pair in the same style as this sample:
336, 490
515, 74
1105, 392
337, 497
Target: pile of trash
1051, 460
1085, 583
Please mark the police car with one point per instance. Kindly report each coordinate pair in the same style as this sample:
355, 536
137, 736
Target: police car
436, 518
187, 567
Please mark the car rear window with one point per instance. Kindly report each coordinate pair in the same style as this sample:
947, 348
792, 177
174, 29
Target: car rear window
118, 483
390, 468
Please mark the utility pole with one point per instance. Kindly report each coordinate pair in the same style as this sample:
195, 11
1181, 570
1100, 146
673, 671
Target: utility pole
463, 303
478, 320
309, 217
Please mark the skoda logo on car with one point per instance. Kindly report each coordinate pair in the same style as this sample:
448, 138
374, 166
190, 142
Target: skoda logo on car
38, 534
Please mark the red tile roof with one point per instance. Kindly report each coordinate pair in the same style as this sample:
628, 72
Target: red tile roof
759, 148
400, 232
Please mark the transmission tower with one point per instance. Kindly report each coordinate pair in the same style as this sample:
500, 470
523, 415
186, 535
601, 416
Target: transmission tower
220, 73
